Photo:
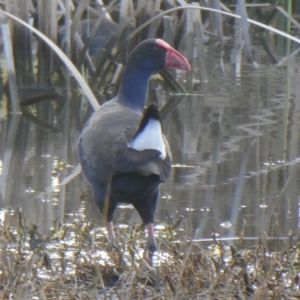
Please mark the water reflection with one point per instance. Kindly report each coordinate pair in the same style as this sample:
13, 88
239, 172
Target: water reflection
235, 151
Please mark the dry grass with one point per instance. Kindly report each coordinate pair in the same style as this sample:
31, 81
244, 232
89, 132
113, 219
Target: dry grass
75, 262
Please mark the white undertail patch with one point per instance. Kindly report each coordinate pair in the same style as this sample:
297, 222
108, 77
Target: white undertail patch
149, 138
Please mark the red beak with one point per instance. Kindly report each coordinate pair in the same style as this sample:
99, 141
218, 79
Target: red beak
174, 59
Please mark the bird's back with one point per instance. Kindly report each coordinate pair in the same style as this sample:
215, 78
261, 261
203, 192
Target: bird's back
109, 128
103, 146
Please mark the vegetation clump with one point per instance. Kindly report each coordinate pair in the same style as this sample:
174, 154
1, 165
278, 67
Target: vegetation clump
75, 261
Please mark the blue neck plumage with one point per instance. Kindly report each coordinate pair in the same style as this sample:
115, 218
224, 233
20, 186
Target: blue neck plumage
133, 87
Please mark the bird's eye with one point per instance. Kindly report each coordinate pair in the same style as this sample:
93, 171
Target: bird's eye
156, 49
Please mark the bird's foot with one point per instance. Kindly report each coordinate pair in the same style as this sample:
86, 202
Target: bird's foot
149, 251
151, 245
113, 246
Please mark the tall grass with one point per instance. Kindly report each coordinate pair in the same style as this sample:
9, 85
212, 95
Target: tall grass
137, 21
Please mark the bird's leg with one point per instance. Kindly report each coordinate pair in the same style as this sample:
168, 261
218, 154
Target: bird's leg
151, 243
111, 235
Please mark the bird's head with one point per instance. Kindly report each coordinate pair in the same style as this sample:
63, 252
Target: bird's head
153, 55
146, 58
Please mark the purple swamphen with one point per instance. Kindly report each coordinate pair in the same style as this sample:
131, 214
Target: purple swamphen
122, 150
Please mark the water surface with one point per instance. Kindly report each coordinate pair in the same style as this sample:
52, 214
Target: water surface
235, 145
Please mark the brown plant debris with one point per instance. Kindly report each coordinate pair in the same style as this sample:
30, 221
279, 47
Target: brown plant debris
75, 261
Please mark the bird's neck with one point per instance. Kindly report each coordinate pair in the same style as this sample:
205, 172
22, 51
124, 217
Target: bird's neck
133, 87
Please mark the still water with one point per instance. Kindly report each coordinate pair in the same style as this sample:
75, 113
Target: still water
235, 145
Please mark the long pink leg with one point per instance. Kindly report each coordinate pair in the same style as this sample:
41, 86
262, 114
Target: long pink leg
111, 235
151, 243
